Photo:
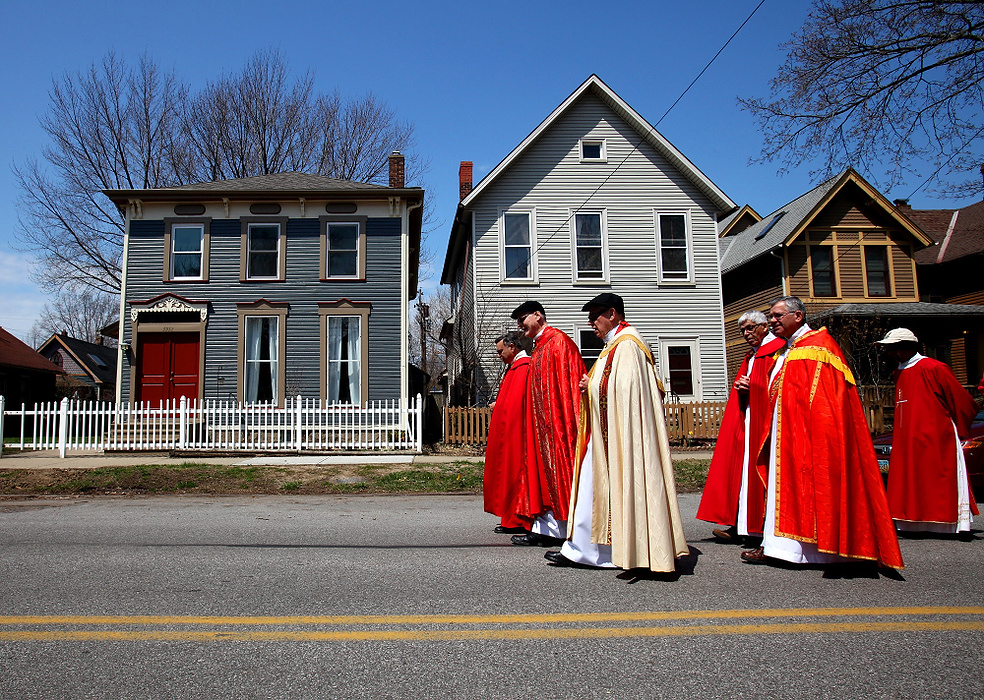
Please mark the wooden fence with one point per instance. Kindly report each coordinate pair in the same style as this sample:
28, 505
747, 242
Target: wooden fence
684, 422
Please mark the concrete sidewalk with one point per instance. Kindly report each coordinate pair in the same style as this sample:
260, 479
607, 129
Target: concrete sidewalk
49, 459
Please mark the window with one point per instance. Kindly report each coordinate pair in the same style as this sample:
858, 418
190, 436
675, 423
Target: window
674, 247
589, 247
680, 366
263, 251
262, 359
187, 247
876, 271
344, 360
262, 346
593, 151
517, 246
822, 267
590, 345
343, 250
344, 352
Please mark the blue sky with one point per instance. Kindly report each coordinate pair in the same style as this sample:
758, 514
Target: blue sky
474, 79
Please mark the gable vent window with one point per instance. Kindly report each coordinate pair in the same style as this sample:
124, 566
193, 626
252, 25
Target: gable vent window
593, 151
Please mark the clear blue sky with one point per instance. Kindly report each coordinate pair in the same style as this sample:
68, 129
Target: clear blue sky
474, 79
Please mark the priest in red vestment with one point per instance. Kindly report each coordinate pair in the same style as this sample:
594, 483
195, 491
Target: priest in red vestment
734, 494
826, 500
504, 486
928, 487
553, 408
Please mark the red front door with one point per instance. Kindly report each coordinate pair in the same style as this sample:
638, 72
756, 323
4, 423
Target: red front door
167, 366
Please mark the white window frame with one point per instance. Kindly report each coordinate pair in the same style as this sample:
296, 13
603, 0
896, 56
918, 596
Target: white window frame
358, 360
578, 330
249, 249
359, 273
276, 363
599, 142
575, 273
532, 279
688, 230
664, 367
201, 250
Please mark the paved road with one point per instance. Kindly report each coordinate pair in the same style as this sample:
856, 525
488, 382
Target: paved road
415, 597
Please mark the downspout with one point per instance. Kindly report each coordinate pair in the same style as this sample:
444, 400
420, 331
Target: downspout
120, 354
782, 270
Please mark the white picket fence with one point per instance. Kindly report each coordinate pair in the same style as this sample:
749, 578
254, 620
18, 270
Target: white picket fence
187, 424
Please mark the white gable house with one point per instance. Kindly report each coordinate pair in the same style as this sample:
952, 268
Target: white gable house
593, 200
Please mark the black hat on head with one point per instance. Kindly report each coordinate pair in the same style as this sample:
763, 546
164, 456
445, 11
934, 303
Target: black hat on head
528, 307
606, 300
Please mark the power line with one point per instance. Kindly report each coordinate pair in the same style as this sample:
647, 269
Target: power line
652, 128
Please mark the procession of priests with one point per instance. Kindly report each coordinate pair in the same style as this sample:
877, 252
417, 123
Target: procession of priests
579, 461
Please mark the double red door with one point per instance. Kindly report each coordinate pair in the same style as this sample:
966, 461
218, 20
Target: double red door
167, 366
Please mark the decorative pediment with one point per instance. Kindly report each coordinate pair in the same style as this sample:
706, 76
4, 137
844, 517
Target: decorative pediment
168, 303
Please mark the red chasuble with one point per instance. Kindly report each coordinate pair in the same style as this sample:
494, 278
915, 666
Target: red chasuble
505, 455
829, 490
554, 404
719, 502
922, 474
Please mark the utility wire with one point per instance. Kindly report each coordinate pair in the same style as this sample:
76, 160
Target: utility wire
652, 128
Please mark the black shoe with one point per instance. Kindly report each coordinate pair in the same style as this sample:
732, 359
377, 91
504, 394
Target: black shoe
502, 530
729, 535
531, 539
558, 559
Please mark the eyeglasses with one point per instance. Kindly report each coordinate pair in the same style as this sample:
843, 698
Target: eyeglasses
749, 329
519, 321
595, 315
776, 317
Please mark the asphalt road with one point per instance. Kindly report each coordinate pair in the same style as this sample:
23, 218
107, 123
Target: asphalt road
415, 597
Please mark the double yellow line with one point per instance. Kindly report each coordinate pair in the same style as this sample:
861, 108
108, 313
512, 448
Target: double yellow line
27, 628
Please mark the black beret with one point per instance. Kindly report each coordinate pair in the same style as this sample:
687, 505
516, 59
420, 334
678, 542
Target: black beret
528, 307
607, 300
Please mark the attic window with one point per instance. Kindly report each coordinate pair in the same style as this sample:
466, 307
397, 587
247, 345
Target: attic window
593, 151
98, 360
775, 220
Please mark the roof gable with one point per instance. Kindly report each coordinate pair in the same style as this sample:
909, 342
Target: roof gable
595, 86
99, 361
16, 353
783, 225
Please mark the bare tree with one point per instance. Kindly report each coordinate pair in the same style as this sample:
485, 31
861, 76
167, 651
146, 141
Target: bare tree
878, 85
111, 127
80, 315
117, 127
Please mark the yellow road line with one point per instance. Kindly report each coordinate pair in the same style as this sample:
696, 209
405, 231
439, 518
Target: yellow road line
477, 619
494, 634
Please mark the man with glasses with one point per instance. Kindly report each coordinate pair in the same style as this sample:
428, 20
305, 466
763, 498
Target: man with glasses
826, 500
553, 408
734, 494
624, 511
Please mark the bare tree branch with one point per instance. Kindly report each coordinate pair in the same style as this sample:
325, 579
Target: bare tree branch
878, 85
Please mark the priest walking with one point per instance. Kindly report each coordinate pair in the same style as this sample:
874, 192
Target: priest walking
553, 407
505, 487
734, 494
826, 501
624, 510
928, 487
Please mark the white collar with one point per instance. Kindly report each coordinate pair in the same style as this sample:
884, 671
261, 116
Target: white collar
911, 361
519, 355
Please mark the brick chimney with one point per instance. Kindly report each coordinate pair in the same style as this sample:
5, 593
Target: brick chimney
397, 177
901, 203
464, 179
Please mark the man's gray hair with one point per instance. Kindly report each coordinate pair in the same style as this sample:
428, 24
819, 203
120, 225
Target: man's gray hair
755, 316
514, 338
792, 304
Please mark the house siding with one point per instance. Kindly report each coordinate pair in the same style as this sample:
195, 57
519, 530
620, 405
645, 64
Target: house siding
301, 289
549, 179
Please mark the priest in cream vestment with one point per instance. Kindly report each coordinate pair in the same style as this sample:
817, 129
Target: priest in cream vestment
623, 510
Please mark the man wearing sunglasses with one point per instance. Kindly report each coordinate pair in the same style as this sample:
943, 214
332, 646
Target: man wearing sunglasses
734, 494
553, 408
826, 500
